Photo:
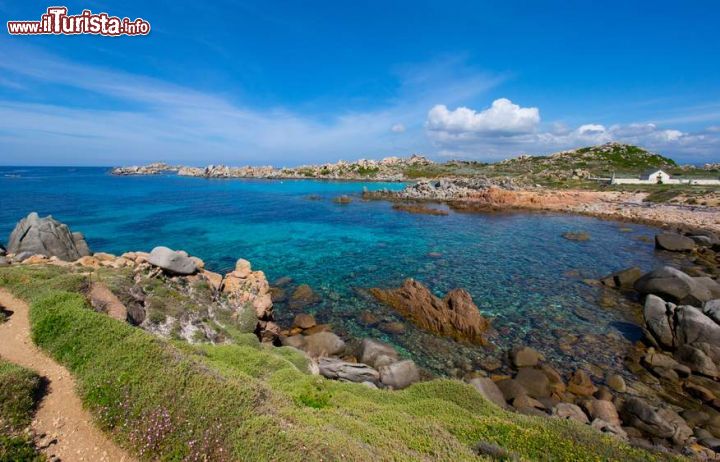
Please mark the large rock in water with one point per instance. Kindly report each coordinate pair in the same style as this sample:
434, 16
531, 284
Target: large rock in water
172, 261
674, 242
47, 236
674, 285
454, 316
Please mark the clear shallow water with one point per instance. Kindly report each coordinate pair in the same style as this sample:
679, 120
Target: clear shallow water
518, 268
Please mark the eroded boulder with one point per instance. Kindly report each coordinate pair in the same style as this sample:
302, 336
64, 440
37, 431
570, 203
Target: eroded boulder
175, 262
337, 369
46, 236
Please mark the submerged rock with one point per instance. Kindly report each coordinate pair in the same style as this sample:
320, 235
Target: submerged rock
454, 316
46, 236
303, 297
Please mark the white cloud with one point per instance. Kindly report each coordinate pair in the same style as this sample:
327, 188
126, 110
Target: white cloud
502, 118
398, 128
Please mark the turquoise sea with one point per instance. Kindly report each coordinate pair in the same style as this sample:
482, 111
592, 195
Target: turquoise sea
518, 268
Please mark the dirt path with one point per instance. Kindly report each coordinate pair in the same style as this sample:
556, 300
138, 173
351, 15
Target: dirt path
60, 415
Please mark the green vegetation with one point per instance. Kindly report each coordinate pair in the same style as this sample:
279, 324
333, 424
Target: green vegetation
570, 169
19, 391
175, 401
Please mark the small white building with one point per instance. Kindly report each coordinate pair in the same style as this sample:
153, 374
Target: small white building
658, 176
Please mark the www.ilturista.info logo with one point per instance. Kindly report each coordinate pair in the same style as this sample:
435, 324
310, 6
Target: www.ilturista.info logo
56, 21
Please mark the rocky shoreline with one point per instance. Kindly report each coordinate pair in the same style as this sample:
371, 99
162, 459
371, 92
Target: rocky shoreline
671, 404
484, 195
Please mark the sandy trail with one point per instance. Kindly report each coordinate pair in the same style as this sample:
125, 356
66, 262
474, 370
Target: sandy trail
60, 415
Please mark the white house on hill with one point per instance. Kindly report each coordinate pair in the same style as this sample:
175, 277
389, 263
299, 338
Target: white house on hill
658, 176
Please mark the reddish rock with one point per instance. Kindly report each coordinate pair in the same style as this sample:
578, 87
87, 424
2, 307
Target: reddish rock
581, 385
454, 316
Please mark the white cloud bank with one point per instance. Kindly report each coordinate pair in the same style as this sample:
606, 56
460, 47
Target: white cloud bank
506, 127
503, 117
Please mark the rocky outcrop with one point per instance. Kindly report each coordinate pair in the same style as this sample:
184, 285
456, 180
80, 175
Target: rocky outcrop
151, 169
248, 289
46, 236
454, 316
174, 262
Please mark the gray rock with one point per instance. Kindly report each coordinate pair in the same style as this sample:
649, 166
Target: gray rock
712, 351
46, 236
534, 381
703, 241
692, 326
489, 390
399, 375
697, 360
570, 411
639, 414
337, 369
376, 353
681, 431
710, 284
606, 427
674, 285
674, 242
172, 261
658, 319
711, 309
22, 256
323, 344
4, 262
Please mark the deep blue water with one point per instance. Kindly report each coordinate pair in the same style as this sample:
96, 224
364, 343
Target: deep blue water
518, 268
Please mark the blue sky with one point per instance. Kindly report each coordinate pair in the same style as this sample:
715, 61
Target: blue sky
288, 83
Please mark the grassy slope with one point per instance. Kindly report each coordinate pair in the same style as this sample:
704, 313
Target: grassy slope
180, 402
19, 388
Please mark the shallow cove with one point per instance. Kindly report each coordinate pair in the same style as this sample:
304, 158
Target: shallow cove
518, 268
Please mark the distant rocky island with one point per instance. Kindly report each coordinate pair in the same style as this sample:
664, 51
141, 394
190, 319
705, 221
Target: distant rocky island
387, 169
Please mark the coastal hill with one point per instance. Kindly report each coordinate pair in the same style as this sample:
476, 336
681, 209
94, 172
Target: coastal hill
569, 168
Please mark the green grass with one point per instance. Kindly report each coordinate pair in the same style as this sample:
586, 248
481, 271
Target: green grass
174, 401
19, 392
